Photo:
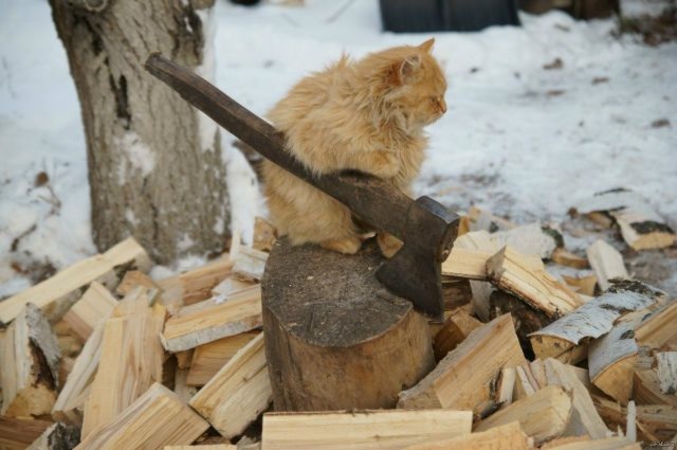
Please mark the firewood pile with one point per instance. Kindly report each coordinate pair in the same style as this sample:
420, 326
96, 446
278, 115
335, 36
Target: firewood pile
101, 356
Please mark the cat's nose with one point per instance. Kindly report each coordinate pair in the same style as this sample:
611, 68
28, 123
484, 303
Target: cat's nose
443, 105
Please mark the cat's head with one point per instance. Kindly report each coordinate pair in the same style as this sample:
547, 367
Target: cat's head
411, 83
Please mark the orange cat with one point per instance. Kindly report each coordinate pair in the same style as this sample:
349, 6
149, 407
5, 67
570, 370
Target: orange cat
365, 115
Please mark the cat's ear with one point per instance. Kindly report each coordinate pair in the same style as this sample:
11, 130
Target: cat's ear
427, 46
408, 67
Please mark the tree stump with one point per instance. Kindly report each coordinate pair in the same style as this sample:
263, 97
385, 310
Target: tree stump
335, 338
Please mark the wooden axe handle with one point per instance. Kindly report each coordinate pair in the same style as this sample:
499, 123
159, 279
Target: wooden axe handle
373, 200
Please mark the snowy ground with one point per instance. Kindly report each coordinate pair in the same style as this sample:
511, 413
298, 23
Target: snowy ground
520, 140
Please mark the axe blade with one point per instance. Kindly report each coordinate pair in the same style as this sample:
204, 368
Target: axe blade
414, 273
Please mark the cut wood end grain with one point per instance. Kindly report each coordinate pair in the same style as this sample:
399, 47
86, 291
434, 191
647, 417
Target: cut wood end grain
509, 271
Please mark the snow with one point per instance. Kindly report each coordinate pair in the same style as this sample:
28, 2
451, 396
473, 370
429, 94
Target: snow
518, 139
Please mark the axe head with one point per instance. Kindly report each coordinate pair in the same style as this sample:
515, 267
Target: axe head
414, 272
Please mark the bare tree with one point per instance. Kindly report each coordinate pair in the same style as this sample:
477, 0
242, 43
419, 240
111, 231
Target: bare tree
155, 165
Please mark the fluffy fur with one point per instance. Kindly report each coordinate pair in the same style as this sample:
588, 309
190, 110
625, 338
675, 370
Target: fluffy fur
365, 115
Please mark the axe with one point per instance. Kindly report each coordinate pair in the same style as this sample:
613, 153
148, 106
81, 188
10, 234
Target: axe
424, 225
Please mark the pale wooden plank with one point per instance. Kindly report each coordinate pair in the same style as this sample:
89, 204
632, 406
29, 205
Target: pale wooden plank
210, 320
58, 293
365, 430
238, 393
154, 420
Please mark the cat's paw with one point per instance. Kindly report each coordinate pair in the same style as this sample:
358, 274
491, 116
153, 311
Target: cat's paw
388, 244
349, 246
384, 165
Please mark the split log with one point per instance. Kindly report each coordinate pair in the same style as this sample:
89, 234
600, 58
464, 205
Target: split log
230, 288
210, 320
131, 358
568, 259
465, 263
532, 239
57, 437
509, 272
584, 284
456, 293
250, 263
564, 440
641, 226
631, 422
666, 367
525, 384
584, 419
658, 329
29, 365
58, 293
647, 391
455, 329
505, 437
265, 235
481, 290
543, 415
132, 280
209, 358
612, 443
155, 419
238, 393
539, 372
607, 263
335, 338
527, 319
361, 430
591, 320
202, 447
611, 412
612, 359
506, 387
95, 305
184, 359
17, 434
659, 422
70, 402
195, 285
463, 379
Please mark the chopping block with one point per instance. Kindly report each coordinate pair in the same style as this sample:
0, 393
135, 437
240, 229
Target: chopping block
335, 338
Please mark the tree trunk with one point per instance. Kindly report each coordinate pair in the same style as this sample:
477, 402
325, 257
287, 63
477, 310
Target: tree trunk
155, 166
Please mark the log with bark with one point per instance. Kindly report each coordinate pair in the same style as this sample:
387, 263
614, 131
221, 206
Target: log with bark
335, 338
29, 365
641, 226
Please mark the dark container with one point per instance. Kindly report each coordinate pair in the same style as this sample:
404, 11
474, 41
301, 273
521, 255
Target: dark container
411, 16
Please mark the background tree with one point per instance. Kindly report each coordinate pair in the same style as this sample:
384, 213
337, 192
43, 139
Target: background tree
155, 165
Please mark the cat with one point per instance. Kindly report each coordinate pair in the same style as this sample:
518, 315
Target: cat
366, 115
